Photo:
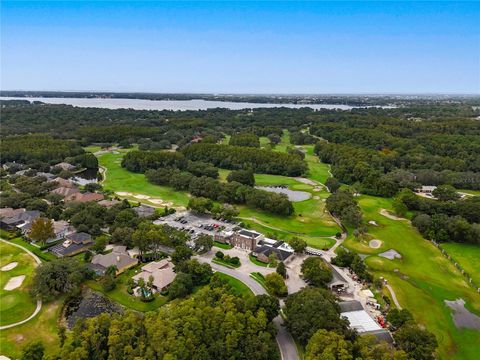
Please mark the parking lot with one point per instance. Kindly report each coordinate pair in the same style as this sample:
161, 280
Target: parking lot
197, 224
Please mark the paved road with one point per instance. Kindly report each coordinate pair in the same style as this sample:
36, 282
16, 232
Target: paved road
287, 347
39, 302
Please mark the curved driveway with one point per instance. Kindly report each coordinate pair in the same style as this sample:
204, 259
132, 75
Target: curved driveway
288, 349
39, 302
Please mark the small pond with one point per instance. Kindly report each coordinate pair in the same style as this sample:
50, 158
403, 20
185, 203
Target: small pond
293, 195
85, 177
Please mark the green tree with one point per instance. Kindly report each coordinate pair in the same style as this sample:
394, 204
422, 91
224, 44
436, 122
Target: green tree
419, 344
203, 243
41, 230
316, 272
281, 270
328, 345
33, 351
245, 177
398, 317
275, 285
57, 277
182, 253
445, 193
298, 245
312, 309
181, 286
332, 184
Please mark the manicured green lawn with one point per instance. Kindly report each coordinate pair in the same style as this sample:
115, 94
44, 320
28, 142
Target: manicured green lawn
222, 246
43, 327
468, 256
16, 304
92, 148
422, 279
119, 179
238, 287
218, 261
471, 192
44, 256
258, 277
120, 294
254, 260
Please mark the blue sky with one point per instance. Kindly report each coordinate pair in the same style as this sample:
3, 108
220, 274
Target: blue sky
242, 47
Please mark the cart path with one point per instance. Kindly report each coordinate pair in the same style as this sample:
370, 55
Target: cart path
39, 302
394, 297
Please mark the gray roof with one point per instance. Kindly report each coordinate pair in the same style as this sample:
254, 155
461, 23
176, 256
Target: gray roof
249, 234
79, 237
380, 335
266, 250
144, 210
352, 305
114, 259
59, 250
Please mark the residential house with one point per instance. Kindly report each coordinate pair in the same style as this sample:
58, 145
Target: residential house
64, 191
48, 176
63, 182
61, 228
267, 247
161, 272
108, 203
84, 197
118, 258
144, 211
74, 244
22, 219
65, 166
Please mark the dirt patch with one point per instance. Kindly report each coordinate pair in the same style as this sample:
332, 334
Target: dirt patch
375, 243
462, 317
390, 254
14, 282
10, 266
387, 214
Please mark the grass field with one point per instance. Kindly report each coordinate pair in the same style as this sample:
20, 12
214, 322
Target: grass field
17, 304
44, 328
422, 279
119, 179
239, 288
468, 256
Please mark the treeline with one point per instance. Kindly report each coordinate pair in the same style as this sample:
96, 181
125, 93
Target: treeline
231, 192
431, 150
245, 139
443, 221
237, 157
225, 327
37, 147
343, 205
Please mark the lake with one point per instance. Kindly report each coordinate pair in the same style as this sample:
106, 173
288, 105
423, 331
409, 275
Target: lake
182, 105
293, 195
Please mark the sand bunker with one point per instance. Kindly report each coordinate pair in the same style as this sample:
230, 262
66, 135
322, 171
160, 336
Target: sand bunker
385, 213
157, 201
390, 254
305, 181
123, 193
141, 197
373, 222
3, 357
375, 243
14, 282
462, 317
10, 266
